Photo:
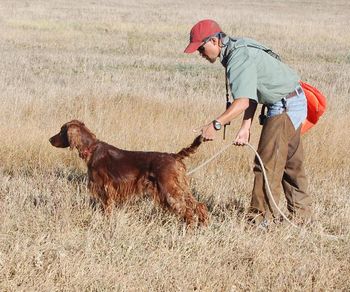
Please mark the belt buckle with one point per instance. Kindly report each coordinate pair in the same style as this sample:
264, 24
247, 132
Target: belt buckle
299, 90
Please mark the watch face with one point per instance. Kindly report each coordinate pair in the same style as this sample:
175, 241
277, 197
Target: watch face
217, 125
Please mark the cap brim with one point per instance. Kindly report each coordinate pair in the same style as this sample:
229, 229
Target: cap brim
192, 47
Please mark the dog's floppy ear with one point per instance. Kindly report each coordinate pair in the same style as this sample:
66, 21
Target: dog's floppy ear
74, 136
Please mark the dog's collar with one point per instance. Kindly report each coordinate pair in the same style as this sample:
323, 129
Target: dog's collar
88, 151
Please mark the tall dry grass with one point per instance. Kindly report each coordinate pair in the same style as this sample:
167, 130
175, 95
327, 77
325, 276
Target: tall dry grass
119, 67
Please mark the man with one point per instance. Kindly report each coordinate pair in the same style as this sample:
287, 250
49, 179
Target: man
256, 75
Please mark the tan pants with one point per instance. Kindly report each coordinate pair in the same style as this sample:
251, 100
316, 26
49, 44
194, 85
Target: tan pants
281, 151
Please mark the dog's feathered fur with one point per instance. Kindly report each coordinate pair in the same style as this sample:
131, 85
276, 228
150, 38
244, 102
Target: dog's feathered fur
114, 175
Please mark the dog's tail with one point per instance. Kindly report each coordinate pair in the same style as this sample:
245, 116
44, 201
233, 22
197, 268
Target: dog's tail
185, 152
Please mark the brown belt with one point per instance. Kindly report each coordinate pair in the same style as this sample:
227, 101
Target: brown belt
295, 92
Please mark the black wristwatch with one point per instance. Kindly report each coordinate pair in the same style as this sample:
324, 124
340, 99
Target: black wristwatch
217, 125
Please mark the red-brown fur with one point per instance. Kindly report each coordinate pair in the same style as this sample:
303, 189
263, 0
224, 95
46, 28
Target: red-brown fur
115, 175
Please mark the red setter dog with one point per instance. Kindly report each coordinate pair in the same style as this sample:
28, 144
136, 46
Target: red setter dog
114, 175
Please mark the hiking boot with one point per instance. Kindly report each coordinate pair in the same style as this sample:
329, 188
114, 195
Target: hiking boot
258, 222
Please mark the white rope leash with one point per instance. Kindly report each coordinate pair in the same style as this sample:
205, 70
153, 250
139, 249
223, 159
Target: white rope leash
264, 173
268, 187
210, 159
266, 181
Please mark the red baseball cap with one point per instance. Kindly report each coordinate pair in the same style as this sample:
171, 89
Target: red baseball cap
199, 32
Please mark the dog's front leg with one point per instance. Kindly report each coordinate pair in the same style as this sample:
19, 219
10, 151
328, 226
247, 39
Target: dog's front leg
98, 193
107, 204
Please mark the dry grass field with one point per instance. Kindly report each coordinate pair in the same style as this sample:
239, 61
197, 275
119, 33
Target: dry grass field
118, 66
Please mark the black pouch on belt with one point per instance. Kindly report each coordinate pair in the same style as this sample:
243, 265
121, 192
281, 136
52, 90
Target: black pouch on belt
262, 116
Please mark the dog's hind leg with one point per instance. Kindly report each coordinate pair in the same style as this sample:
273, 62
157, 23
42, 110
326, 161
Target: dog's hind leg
172, 198
199, 209
202, 213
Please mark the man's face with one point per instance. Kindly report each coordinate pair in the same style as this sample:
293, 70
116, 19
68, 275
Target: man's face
210, 50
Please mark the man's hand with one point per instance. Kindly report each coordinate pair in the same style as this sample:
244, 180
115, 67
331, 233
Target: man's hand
207, 131
242, 137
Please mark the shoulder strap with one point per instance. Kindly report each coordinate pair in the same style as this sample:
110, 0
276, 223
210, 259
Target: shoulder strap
252, 44
227, 91
270, 52
228, 103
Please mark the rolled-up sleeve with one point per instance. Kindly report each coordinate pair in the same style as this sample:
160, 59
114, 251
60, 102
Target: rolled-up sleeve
242, 75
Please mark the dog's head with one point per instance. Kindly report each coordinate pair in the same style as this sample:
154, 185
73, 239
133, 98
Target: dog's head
73, 134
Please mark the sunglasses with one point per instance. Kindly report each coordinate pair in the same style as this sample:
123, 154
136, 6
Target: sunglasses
218, 35
201, 48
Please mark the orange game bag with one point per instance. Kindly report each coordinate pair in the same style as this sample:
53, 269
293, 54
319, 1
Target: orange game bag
316, 106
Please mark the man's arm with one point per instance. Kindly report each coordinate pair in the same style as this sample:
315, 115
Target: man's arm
238, 106
249, 114
243, 134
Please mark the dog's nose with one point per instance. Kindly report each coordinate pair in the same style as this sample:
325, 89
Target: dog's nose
50, 140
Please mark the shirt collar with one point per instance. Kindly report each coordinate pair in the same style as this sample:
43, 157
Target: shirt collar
224, 50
